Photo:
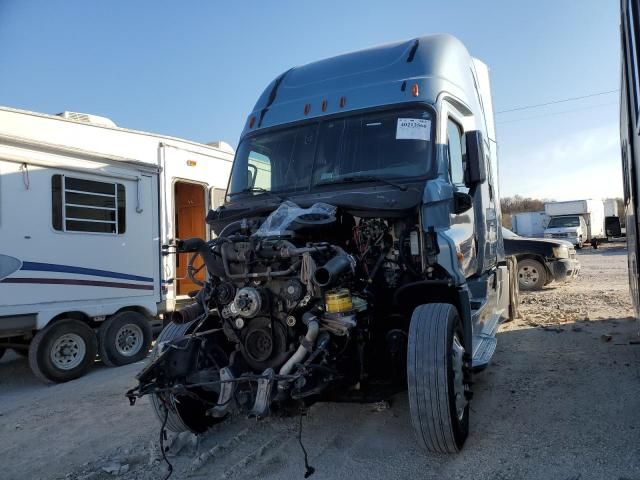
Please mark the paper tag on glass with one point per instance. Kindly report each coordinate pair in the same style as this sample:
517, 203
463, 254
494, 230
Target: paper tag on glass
413, 129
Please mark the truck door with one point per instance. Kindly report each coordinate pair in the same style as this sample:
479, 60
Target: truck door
489, 191
462, 228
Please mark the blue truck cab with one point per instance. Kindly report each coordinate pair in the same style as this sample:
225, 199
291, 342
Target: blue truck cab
359, 251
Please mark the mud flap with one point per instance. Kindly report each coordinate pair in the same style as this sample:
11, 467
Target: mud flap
263, 396
227, 389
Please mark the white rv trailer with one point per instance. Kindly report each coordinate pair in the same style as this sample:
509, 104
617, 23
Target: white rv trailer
85, 208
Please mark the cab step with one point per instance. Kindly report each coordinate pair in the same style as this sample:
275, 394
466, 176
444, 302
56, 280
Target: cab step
484, 346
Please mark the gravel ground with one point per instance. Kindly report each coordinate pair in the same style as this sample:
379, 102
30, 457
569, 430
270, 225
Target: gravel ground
561, 400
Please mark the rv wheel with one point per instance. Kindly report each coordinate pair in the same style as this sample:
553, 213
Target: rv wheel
62, 351
436, 376
124, 338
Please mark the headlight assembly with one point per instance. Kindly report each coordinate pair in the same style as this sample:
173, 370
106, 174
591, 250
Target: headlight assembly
561, 252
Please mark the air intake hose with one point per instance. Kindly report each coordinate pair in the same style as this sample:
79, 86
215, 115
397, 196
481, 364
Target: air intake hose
187, 314
329, 273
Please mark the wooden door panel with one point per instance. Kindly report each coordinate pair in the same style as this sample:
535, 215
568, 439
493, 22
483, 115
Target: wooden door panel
190, 222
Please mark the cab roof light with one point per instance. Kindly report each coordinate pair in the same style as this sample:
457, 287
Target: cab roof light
307, 108
415, 90
324, 105
343, 101
252, 121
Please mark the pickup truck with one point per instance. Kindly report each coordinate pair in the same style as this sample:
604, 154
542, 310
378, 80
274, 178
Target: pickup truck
541, 260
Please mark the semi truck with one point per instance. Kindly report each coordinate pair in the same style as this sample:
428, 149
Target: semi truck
629, 138
577, 221
359, 252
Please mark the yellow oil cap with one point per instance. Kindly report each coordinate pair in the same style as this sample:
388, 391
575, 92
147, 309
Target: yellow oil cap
338, 301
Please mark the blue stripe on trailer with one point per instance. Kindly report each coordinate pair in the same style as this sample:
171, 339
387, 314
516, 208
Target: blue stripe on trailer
52, 267
75, 281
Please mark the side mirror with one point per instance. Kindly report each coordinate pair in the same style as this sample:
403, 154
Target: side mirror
475, 171
461, 202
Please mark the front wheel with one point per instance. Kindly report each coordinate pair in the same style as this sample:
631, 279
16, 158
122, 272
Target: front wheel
436, 376
531, 274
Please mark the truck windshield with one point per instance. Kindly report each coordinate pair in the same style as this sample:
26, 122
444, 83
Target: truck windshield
392, 144
561, 222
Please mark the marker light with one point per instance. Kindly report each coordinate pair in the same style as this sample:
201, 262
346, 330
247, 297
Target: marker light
191, 163
343, 101
307, 109
415, 90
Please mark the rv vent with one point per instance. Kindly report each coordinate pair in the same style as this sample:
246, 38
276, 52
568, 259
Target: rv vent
224, 146
88, 118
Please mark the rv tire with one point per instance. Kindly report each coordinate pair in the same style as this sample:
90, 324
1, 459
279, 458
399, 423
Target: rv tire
437, 378
63, 351
124, 338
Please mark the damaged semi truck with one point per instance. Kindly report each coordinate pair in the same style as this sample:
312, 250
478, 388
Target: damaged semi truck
359, 252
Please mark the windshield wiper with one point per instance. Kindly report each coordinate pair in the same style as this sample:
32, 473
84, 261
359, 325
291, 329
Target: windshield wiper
256, 190
363, 178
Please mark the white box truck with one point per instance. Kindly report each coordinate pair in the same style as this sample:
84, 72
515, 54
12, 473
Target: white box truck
530, 224
577, 221
85, 208
610, 207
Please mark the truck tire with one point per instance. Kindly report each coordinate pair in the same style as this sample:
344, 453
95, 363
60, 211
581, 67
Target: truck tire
63, 351
531, 274
161, 403
437, 384
124, 338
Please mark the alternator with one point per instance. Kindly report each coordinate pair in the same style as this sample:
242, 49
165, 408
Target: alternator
247, 303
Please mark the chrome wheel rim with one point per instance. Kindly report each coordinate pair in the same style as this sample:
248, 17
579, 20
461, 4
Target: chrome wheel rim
129, 340
528, 275
68, 351
458, 376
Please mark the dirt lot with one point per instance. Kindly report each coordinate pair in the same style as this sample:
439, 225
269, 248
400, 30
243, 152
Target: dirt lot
561, 400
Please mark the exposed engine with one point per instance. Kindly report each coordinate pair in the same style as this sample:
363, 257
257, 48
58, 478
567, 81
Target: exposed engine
295, 305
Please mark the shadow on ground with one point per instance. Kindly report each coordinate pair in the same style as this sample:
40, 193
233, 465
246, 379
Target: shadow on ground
561, 404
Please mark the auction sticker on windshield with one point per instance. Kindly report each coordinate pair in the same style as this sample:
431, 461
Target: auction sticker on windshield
413, 129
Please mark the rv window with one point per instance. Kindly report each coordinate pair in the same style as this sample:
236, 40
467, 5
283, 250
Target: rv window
456, 151
81, 205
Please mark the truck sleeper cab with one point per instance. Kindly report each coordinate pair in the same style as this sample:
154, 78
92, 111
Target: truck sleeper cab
360, 236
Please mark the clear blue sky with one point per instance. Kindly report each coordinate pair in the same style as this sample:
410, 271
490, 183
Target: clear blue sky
194, 69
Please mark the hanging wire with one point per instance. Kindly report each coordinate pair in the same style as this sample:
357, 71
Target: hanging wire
553, 102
